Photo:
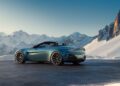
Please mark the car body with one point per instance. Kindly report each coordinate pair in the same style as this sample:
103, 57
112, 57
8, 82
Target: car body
51, 52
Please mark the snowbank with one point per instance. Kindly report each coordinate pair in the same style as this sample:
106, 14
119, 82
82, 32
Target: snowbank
6, 57
113, 84
104, 48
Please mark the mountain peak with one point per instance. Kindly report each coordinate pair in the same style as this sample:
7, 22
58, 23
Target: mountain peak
116, 30
76, 33
20, 32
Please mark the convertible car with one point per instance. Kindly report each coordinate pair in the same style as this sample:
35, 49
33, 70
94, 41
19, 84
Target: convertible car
51, 52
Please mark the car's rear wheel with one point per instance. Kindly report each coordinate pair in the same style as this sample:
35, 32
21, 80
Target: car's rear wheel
20, 58
56, 59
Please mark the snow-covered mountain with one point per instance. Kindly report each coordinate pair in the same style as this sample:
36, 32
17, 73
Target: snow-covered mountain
109, 49
20, 39
107, 43
77, 39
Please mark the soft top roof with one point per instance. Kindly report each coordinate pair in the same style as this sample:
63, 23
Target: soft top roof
49, 42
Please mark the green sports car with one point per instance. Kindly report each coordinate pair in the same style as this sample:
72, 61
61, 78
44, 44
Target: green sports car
51, 52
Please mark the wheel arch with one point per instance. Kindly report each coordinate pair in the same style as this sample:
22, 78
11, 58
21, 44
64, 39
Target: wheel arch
22, 52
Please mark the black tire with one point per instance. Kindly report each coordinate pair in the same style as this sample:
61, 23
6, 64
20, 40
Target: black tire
84, 59
19, 58
56, 59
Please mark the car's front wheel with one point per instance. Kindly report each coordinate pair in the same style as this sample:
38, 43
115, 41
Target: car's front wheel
56, 59
19, 58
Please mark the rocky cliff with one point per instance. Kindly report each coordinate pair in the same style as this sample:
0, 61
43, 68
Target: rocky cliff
110, 31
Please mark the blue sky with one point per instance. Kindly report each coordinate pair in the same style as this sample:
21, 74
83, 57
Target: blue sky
57, 17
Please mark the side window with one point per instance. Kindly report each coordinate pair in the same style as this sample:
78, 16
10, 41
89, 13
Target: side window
42, 45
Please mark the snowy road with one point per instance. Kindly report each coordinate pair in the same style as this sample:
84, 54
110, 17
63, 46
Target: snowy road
90, 73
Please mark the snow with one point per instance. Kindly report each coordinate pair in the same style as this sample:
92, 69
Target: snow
6, 57
109, 84
109, 49
113, 84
